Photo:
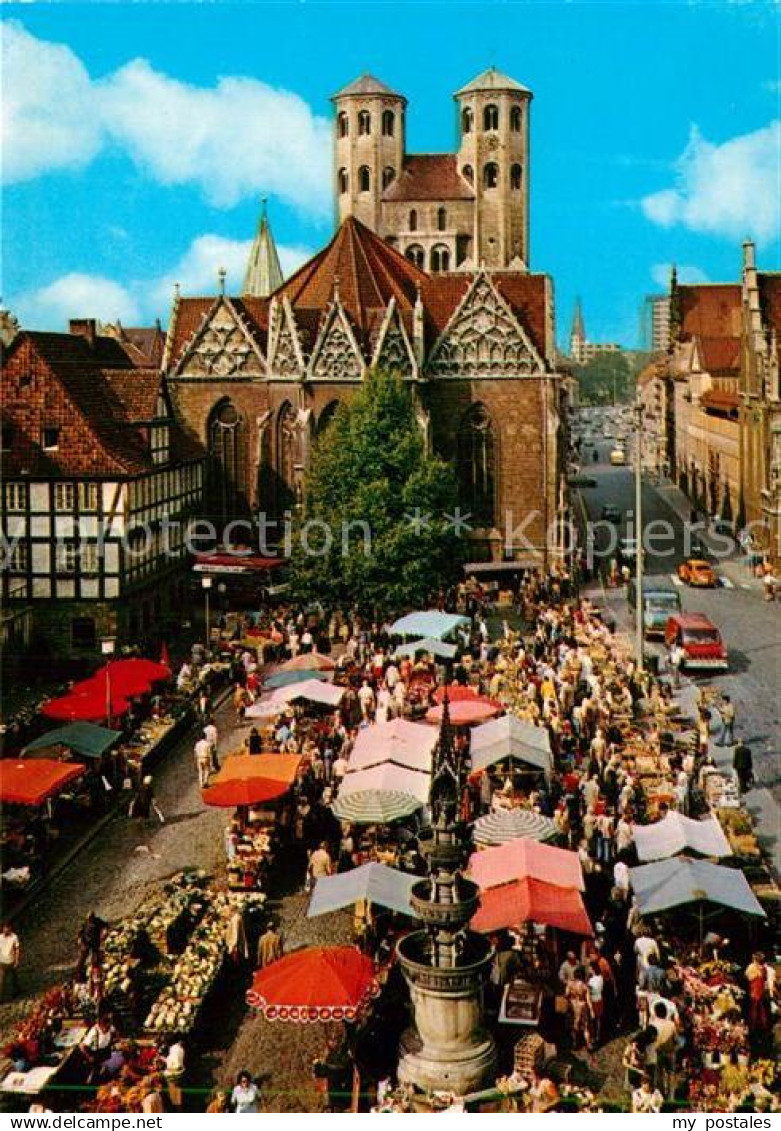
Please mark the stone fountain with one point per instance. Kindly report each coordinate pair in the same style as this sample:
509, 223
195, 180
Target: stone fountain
445, 964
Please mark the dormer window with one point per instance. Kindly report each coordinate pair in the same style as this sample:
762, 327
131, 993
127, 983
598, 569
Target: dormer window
50, 439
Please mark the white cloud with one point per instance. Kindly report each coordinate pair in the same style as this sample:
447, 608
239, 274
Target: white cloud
48, 119
196, 271
726, 190
79, 295
687, 273
76, 295
234, 140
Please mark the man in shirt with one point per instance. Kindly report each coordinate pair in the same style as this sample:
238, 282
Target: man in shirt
743, 765
320, 862
568, 968
9, 961
211, 736
203, 761
269, 947
727, 712
90, 939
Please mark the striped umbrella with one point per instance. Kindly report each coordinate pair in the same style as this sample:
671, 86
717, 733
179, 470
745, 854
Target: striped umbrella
510, 824
374, 806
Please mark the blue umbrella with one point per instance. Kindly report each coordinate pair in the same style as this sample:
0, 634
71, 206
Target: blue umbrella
285, 679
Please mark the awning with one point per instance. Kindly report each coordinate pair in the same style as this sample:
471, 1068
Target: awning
287, 679
532, 901
526, 859
84, 739
667, 884
276, 767
431, 623
388, 778
374, 806
510, 824
399, 741
465, 712
510, 738
234, 563
313, 690
88, 705
676, 833
235, 792
35, 781
428, 644
377, 883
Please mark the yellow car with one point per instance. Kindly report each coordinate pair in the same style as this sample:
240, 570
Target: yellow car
697, 573
618, 457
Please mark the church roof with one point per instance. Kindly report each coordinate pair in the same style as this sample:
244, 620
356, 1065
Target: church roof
429, 176
189, 315
264, 273
710, 310
366, 270
492, 80
366, 84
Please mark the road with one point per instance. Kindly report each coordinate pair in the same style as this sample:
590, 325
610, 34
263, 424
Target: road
750, 627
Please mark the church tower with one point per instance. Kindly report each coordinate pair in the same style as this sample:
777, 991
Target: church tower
369, 148
577, 338
263, 274
493, 156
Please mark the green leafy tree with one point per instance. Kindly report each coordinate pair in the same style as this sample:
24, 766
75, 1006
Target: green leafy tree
605, 379
374, 532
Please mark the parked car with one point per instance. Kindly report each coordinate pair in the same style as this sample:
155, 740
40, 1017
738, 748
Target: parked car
703, 647
611, 513
661, 600
618, 457
582, 481
697, 573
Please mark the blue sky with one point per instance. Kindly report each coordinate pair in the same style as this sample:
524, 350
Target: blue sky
139, 137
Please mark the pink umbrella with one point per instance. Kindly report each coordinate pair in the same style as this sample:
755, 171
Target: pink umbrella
465, 712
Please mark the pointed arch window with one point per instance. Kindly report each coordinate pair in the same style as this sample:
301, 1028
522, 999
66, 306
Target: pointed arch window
388, 176
343, 180
287, 455
416, 255
477, 466
491, 175
440, 258
413, 220
442, 219
226, 440
516, 119
467, 119
388, 123
364, 178
343, 124
491, 117
516, 176
364, 123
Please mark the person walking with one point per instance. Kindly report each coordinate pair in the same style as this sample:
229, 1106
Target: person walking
743, 765
203, 760
90, 940
211, 735
727, 712
10, 952
245, 1096
269, 946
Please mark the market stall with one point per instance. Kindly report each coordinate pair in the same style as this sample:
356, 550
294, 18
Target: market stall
515, 741
399, 741
676, 833
375, 883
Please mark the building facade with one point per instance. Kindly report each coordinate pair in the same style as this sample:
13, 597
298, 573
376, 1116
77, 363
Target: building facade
98, 483
580, 348
656, 323
444, 211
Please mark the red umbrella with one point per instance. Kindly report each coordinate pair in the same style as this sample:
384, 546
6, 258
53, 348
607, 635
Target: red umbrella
322, 983
33, 782
129, 677
460, 693
88, 704
244, 791
465, 712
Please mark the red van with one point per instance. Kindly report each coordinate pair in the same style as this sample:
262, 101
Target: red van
700, 639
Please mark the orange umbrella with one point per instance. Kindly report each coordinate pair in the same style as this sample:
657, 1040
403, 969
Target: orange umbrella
321, 983
459, 693
465, 712
35, 781
309, 662
275, 767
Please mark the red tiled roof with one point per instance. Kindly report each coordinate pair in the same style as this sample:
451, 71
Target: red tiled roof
770, 299
91, 393
719, 355
525, 294
189, 315
430, 176
146, 342
710, 310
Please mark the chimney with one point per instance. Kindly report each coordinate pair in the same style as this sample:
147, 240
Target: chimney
84, 328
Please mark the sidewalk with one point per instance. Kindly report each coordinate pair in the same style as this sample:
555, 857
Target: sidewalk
758, 801
733, 568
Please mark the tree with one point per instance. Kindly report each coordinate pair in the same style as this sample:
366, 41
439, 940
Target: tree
605, 379
374, 533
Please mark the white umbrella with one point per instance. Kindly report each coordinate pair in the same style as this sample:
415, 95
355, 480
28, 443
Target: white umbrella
511, 824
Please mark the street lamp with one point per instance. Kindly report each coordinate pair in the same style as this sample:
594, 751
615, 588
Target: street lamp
207, 583
107, 647
639, 609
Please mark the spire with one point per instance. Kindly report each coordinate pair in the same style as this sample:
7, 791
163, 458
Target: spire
578, 326
264, 275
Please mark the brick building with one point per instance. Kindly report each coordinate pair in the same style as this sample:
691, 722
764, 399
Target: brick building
93, 463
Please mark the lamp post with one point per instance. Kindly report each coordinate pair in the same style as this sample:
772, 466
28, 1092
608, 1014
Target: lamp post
107, 647
639, 610
207, 583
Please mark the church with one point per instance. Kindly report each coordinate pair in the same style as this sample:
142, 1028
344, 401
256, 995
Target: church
427, 275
